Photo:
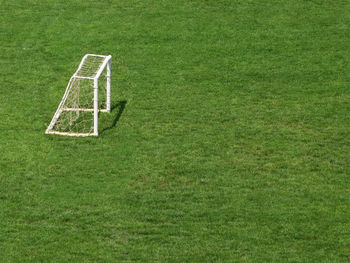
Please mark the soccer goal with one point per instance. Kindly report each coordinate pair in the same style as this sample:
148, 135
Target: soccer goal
88, 92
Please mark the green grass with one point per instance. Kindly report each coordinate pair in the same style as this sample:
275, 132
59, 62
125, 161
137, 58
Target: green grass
233, 144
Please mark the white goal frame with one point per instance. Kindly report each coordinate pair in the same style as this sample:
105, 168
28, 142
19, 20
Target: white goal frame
95, 110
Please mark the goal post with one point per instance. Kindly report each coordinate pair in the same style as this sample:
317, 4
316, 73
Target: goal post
88, 92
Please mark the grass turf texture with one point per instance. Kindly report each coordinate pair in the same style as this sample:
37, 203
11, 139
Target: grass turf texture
228, 141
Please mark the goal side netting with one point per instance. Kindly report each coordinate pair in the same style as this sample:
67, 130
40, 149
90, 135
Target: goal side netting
87, 94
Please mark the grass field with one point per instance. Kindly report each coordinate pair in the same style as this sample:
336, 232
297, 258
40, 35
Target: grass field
229, 139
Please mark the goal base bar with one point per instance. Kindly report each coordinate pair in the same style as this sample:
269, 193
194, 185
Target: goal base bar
83, 109
72, 134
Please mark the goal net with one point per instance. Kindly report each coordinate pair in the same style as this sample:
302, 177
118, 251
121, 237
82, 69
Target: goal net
87, 94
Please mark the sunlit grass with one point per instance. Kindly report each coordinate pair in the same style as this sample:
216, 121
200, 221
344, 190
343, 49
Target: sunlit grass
228, 140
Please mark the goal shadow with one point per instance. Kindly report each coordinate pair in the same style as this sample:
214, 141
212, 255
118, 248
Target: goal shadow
116, 111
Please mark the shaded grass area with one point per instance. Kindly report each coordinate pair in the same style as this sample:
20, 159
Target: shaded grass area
228, 142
